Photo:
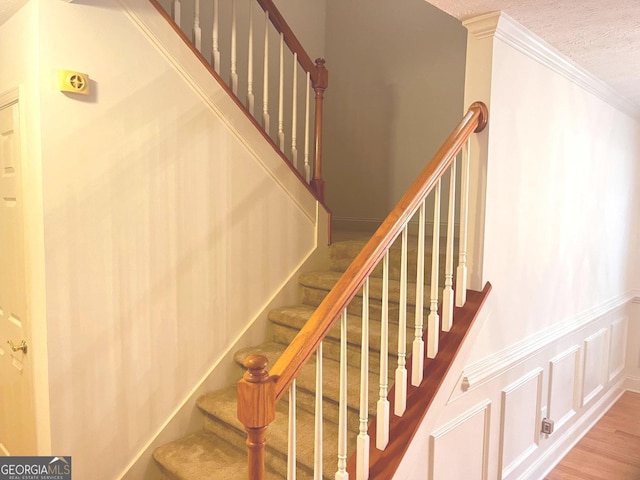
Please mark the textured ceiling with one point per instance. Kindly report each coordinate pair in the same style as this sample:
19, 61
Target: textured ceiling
602, 37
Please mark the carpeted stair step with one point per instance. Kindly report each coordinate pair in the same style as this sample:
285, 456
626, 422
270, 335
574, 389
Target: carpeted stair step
221, 419
342, 253
306, 384
287, 322
202, 456
316, 286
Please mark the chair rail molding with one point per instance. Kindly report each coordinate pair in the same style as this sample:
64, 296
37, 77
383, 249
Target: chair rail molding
495, 365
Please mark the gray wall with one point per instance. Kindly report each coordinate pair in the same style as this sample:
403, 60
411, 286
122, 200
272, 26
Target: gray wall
395, 93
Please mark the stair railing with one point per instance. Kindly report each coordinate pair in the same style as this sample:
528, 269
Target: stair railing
235, 40
260, 390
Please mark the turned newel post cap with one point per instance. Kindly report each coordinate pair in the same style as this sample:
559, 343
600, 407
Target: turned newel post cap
256, 366
321, 79
256, 394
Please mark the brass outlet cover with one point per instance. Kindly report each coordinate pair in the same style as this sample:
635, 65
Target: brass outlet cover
74, 82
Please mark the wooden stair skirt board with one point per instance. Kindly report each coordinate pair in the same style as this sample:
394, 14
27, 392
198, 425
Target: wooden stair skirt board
219, 451
383, 463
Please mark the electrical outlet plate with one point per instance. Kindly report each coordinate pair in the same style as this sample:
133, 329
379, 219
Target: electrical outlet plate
547, 426
74, 82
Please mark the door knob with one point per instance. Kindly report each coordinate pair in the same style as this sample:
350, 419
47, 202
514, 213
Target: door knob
21, 346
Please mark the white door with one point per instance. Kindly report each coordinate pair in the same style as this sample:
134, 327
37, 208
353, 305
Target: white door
17, 415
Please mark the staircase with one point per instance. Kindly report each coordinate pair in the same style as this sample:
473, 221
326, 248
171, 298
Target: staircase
219, 450
388, 301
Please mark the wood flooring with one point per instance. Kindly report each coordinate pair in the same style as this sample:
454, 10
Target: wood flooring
610, 450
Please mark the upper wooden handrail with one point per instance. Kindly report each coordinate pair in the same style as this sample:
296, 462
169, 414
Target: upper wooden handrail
286, 368
290, 39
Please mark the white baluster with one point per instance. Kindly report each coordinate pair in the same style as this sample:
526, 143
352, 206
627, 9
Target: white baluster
197, 31
433, 329
177, 7
281, 96
341, 473
307, 167
291, 446
234, 60
382, 418
362, 464
215, 49
417, 357
401, 372
265, 78
461, 273
317, 449
447, 294
294, 114
250, 95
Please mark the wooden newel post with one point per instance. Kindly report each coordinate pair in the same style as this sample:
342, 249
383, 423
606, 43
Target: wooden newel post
319, 86
256, 410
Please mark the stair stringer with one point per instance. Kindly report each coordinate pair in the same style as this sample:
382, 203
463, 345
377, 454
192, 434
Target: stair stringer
409, 435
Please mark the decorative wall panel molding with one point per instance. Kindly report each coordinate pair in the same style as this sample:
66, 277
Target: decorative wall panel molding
520, 421
564, 386
594, 365
466, 437
495, 365
617, 347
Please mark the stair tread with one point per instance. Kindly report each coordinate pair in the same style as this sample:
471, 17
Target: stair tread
306, 379
326, 280
342, 253
200, 455
222, 405
197, 455
296, 316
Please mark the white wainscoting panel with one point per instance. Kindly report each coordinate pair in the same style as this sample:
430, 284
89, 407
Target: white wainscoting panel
459, 450
595, 364
564, 386
519, 436
617, 347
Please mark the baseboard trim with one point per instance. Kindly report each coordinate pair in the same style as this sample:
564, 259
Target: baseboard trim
495, 365
632, 383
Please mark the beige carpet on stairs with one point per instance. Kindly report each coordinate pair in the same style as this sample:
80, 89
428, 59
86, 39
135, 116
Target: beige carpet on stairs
218, 451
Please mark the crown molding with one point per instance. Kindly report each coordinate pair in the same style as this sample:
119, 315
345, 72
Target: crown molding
501, 26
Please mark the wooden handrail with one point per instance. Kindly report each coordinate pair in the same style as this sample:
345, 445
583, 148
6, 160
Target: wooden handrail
307, 340
319, 80
259, 390
318, 75
278, 21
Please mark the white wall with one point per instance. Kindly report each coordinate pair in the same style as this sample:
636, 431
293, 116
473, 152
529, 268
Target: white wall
559, 245
561, 209
395, 93
19, 59
168, 226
